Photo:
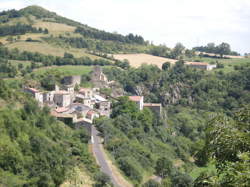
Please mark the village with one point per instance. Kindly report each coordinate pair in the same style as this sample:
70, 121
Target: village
83, 105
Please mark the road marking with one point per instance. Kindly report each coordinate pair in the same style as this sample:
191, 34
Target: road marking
92, 140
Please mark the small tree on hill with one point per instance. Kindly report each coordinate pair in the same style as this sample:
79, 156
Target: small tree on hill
166, 66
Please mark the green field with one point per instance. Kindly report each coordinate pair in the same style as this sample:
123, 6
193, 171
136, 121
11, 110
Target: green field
229, 64
67, 70
16, 62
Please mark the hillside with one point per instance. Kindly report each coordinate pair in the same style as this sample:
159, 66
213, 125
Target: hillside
63, 33
184, 126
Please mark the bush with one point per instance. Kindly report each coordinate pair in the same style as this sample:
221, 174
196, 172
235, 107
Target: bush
130, 168
102, 180
151, 183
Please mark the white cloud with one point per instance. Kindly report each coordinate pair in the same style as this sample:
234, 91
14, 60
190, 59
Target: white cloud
191, 22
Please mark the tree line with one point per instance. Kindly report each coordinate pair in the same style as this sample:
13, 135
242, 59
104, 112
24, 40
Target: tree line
5, 16
103, 35
38, 60
221, 49
20, 29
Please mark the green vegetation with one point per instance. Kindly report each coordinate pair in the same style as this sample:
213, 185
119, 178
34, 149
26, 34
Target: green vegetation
190, 97
222, 49
65, 70
102, 35
37, 150
228, 142
19, 29
38, 60
181, 147
5, 16
138, 140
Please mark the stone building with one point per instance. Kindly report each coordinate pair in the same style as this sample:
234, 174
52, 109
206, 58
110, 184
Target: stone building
48, 97
35, 93
98, 78
138, 100
154, 107
62, 98
104, 108
72, 80
86, 92
201, 65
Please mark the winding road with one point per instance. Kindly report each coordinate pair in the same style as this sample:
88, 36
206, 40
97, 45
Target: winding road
102, 161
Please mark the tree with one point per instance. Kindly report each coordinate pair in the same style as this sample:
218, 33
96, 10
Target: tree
164, 167
166, 66
177, 51
182, 180
228, 142
223, 49
46, 31
102, 180
151, 183
68, 55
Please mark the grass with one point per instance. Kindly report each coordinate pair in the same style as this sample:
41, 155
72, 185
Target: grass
67, 70
224, 61
79, 177
54, 28
16, 62
228, 63
48, 49
198, 170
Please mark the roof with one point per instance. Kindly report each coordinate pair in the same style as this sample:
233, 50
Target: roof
135, 98
100, 98
61, 92
90, 112
151, 104
83, 90
33, 90
63, 115
61, 109
197, 63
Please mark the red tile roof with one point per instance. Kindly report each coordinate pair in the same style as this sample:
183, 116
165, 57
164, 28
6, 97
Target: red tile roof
151, 104
62, 92
90, 112
61, 109
135, 98
33, 90
197, 63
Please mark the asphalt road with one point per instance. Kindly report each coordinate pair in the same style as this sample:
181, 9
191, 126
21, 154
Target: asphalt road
99, 155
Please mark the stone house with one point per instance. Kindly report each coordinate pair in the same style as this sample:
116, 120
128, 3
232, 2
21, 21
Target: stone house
48, 97
72, 80
35, 93
79, 98
201, 65
154, 107
138, 100
86, 92
104, 108
62, 98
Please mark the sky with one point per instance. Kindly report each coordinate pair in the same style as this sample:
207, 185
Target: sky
191, 22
